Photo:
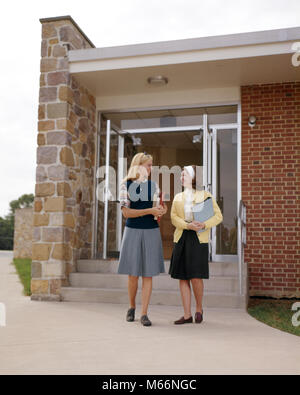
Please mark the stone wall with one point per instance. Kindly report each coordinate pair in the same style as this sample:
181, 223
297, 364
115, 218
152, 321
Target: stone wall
23, 232
65, 158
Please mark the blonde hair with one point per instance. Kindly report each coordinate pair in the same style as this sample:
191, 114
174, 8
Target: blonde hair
137, 161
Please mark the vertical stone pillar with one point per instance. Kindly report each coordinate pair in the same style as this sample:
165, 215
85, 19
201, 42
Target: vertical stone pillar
62, 223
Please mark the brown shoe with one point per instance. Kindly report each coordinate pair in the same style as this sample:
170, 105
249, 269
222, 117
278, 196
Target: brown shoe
198, 317
182, 320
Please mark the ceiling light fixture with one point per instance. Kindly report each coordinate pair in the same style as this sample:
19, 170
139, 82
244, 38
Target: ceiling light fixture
197, 137
157, 80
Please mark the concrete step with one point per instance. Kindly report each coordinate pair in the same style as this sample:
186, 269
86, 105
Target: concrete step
97, 280
161, 282
228, 269
158, 297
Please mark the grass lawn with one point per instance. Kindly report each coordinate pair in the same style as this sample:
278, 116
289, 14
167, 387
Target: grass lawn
23, 267
275, 312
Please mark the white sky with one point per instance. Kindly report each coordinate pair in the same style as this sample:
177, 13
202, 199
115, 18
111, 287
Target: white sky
106, 23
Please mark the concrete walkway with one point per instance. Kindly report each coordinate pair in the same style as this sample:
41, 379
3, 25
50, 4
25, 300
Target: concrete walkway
91, 338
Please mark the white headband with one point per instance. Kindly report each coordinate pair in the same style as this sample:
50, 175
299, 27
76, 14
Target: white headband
190, 170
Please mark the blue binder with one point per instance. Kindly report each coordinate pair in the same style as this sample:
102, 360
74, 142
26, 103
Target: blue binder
203, 211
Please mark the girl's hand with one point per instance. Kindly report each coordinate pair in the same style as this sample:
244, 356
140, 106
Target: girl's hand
157, 211
164, 209
195, 225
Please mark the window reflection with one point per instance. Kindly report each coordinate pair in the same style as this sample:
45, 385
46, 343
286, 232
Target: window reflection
226, 193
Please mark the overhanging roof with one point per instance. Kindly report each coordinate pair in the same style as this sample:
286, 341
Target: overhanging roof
185, 45
225, 60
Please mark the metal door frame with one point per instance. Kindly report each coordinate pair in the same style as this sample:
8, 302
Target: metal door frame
209, 178
215, 128
120, 171
109, 128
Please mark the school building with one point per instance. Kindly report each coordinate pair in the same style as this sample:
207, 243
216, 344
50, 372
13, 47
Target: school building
229, 103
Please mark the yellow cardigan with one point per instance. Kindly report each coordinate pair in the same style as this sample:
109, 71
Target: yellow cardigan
177, 215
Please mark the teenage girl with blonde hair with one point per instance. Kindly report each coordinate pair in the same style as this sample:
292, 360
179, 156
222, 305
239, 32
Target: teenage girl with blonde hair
141, 251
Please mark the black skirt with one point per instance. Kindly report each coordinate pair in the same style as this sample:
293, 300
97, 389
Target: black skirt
189, 258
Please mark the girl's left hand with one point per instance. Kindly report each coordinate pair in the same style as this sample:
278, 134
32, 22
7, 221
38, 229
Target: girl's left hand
200, 225
164, 209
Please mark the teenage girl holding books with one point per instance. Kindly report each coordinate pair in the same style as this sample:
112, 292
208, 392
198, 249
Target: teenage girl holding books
189, 261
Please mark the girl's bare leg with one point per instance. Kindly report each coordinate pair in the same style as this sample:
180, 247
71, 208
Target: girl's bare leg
146, 294
197, 284
132, 289
185, 290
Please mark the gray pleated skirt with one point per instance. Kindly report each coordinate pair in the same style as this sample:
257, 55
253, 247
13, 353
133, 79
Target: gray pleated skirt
141, 252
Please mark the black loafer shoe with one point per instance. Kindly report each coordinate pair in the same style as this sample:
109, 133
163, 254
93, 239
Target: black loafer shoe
145, 320
130, 314
198, 317
182, 321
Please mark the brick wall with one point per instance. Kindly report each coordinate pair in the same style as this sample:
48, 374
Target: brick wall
270, 187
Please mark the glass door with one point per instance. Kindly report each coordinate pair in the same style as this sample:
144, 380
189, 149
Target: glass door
224, 189
112, 168
171, 151
217, 153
